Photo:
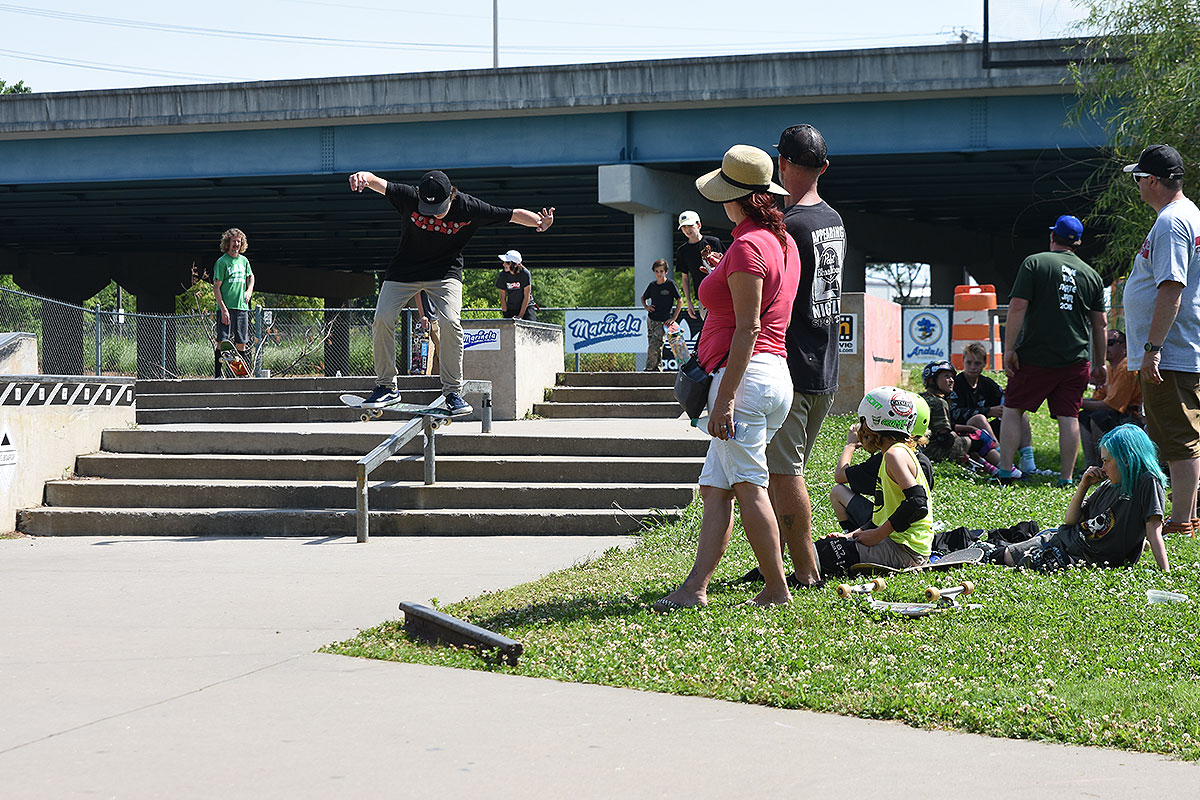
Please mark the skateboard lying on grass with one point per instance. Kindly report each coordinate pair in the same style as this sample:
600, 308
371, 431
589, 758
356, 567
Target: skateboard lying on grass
233, 358
969, 555
937, 601
440, 414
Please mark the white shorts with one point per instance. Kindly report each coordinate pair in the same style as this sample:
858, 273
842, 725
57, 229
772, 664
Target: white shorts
762, 402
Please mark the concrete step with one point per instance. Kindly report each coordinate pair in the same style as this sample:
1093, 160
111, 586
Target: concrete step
351, 385
515, 469
607, 394
246, 415
256, 399
259, 522
646, 379
359, 441
634, 410
341, 494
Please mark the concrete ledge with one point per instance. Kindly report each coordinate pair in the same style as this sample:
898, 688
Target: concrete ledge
18, 354
45, 422
528, 361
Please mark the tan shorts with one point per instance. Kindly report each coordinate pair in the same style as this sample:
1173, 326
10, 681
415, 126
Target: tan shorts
889, 553
789, 449
1172, 410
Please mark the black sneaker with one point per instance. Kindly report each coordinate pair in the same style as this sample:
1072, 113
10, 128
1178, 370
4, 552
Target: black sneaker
381, 396
753, 576
456, 405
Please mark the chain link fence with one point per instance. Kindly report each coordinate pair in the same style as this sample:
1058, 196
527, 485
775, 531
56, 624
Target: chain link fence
285, 342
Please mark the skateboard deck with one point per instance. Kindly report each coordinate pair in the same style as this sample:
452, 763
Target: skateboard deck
412, 409
917, 609
420, 352
969, 555
233, 359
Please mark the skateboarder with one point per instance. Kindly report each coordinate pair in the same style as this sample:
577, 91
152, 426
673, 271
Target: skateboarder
1109, 527
437, 221
900, 533
233, 286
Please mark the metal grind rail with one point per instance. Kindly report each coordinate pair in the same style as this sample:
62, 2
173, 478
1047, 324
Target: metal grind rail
407, 432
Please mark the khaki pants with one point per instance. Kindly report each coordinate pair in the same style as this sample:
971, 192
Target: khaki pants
446, 298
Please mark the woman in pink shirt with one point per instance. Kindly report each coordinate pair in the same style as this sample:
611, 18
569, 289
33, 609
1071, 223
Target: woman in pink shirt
749, 299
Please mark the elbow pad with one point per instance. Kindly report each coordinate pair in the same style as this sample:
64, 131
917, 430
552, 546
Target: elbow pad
913, 507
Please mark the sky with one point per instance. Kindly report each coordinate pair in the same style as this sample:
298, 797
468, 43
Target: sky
70, 45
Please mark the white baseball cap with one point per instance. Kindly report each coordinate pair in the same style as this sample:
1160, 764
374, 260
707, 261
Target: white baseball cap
689, 218
512, 257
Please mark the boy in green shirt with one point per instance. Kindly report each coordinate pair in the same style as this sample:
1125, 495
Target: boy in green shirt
233, 285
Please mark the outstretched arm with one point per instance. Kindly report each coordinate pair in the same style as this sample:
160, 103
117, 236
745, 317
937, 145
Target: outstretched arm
1154, 536
367, 180
532, 219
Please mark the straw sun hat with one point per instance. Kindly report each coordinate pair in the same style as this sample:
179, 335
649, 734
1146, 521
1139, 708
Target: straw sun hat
745, 170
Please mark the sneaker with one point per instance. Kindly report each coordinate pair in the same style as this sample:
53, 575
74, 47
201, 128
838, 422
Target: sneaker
381, 396
456, 405
992, 553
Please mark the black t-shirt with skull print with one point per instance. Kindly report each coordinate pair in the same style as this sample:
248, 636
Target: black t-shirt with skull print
1112, 523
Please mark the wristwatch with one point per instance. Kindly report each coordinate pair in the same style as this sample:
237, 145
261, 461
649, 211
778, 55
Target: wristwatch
1153, 348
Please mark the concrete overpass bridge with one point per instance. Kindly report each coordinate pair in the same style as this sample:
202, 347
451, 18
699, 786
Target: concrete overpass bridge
934, 159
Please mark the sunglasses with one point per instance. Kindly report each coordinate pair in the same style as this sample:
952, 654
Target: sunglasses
1111, 342
1137, 176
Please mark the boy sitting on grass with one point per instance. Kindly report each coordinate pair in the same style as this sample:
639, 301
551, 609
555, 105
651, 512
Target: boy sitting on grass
1111, 526
899, 531
964, 444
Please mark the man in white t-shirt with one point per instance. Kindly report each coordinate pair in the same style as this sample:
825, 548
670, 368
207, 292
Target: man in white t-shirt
1162, 321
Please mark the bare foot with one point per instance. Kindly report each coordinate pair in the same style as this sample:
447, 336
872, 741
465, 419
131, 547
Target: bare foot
765, 599
680, 599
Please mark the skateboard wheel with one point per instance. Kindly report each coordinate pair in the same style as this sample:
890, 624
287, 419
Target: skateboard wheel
880, 584
967, 587
365, 417
933, 594
843, 590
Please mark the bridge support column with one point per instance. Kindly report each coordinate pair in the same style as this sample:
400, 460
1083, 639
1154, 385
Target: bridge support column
943, 278
854, 271
337, 346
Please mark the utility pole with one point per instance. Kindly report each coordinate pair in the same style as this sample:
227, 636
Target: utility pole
495, 34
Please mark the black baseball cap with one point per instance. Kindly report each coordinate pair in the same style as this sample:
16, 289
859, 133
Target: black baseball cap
803, 145
1159, 160
433, 193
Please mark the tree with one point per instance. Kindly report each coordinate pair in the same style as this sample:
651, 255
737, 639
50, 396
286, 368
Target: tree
17, 88
1138, 81
901, 278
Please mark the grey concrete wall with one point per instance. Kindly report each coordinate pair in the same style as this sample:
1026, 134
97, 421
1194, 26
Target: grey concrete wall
18, 354
39, 441
527, 363
670, 83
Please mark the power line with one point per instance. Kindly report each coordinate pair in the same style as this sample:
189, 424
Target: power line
99, 65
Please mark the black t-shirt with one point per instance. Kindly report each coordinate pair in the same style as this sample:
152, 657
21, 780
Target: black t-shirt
688, 259
812, 347
662, 296
431, 249
514, 288
966, 402
1112, 524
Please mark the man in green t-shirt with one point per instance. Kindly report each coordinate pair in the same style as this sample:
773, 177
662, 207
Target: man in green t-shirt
233, 285
1056, 301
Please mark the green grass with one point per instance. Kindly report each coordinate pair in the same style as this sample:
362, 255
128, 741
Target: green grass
1077, 657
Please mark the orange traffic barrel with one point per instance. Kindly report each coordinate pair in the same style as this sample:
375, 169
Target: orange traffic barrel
971, 324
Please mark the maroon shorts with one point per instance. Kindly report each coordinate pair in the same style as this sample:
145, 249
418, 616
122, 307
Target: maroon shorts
1063, 387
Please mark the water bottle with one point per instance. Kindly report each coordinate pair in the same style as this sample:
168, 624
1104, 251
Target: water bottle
739, 431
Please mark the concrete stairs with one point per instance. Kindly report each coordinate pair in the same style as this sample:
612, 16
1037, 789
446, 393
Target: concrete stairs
582, 395
247, 400
235, 480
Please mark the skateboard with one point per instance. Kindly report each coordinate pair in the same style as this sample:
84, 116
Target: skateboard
441, 415
420, 352
877, 585
938, 601
233, 359
969, 555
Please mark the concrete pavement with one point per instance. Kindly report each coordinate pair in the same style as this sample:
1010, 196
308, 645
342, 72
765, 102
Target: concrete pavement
145, 668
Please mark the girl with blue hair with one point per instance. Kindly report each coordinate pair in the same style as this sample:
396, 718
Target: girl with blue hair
1111, 526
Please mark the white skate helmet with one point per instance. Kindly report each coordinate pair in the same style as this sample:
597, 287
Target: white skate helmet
889, 409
